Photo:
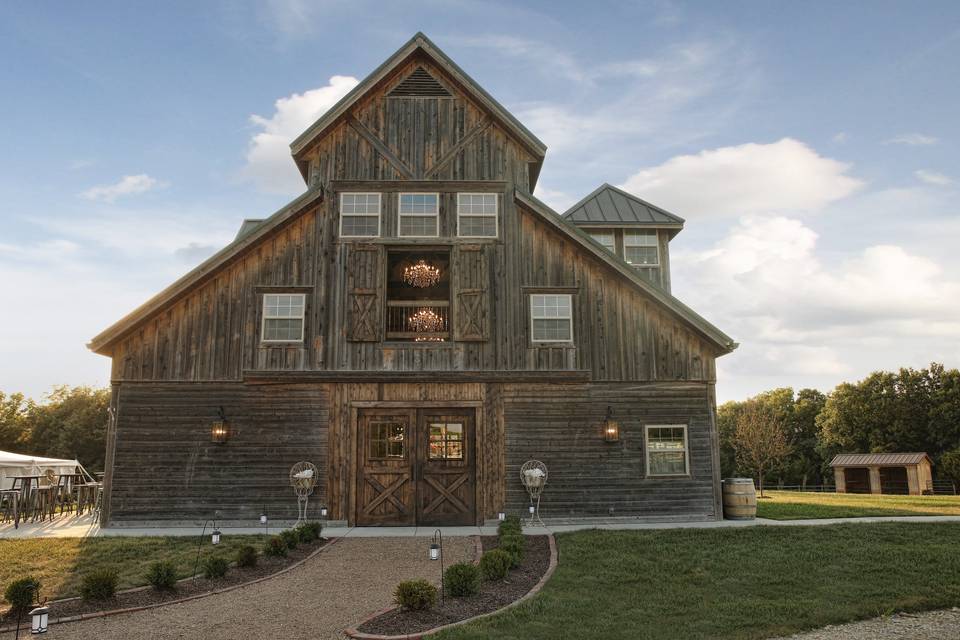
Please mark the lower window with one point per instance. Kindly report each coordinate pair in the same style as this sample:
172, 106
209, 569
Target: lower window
667, 453
446, 441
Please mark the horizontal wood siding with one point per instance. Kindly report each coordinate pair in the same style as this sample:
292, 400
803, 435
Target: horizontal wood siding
165, 466
561, 425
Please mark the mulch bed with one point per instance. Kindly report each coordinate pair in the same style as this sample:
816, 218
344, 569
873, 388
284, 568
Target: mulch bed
189, 587
492, 596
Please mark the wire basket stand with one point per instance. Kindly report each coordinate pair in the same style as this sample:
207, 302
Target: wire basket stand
533, 475
303, 479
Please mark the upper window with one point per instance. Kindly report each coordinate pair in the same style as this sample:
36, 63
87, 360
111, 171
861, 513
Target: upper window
419, 215
386, 440
551, 317
283, 317
667, 453
640, 248
446, 441
359, 215
477, 215
605, 238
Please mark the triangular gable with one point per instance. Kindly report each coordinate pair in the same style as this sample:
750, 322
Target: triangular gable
419, 43
725, 343
212, 264
419, 84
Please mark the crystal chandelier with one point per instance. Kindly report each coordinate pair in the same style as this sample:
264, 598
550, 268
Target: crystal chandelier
425, 321
421, 274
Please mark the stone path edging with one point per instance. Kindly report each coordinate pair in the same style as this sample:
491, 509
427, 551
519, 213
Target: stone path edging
113, 612
359, 635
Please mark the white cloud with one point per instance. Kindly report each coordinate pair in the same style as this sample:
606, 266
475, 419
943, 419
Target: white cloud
127, 186
805, 319
780, 177
912, 139
933, 177
269, 164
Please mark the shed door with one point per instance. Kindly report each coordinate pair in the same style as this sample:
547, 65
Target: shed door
446, 490
386, 461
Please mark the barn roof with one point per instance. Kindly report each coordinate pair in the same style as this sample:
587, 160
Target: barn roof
867, 459
725, 343
609, 205
419, 43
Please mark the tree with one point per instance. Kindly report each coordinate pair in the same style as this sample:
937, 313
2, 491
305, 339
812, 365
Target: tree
13, 424
72, 423
950, 465
760, 438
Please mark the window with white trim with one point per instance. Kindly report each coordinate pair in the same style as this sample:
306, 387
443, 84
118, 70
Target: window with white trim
667, 453
359, 215
606, 239
640, 248
551, 317
419, 215
477, 215
283, 317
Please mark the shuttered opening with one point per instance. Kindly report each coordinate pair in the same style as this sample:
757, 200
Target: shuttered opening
419, 84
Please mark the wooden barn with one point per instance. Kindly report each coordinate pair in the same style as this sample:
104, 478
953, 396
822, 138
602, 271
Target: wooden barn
418, 325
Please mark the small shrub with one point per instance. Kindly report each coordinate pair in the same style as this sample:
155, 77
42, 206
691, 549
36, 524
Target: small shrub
415, 595
291, 538
308, 532
275, 547
162, 575
510, 525
22, 593
100, 584
215, 567
462, 579
246, 556
514, 544
495, 564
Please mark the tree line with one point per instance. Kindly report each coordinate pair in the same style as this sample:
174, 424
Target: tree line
789, 438
71, 422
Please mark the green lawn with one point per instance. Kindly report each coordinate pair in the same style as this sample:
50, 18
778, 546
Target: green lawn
795, 505
60, 563
741, 583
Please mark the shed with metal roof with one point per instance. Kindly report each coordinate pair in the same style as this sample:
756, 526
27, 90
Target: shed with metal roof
893, 473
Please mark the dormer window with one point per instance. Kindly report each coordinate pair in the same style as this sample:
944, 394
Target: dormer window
605, 238
640, 248
419, 215
477, 215
359, 215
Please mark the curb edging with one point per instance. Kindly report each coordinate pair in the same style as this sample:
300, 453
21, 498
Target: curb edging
353, 632
197, 596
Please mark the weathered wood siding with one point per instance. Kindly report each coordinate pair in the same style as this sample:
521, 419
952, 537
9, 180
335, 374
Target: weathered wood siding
165, 466
562, 426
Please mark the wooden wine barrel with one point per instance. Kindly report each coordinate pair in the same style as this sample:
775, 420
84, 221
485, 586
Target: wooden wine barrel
739, 499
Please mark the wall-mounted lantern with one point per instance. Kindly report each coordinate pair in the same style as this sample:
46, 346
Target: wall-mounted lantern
611, 428
220, 428
501, 516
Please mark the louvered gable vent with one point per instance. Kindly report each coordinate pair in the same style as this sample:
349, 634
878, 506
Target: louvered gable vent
419, 84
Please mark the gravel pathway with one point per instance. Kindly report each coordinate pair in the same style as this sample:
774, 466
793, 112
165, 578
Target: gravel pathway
345, 583
932, 625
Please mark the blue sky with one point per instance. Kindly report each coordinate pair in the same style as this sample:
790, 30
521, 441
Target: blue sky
812, 148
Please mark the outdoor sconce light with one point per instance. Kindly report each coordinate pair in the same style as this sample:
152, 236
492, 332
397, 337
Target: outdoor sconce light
611, 428
263, 518
38, 620
501, 516
215, 537
323, 512
220, 428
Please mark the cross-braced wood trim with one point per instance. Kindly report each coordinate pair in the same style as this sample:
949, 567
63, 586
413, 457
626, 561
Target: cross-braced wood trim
445, 493
380, 146
385, 493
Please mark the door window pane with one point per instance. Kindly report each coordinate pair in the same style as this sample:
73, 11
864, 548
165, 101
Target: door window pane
387, 440
446, 441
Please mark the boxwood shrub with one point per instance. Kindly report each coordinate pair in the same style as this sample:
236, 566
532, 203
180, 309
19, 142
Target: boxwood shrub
495, 564
100, 584
462, 579
162, 575
276, 547
415, 595
215, 567
246, 556
22, 593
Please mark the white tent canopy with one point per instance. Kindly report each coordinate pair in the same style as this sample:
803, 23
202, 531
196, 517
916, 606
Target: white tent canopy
18, 464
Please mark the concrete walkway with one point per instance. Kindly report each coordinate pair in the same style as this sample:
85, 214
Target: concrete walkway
85, 526
317, 600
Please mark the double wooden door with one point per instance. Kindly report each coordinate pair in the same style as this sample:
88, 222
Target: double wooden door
416, 467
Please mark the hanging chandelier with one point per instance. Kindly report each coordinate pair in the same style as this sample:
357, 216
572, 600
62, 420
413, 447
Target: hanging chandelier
425, 321
421, 274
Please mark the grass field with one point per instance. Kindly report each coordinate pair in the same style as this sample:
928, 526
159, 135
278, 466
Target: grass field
742, 584
795, 505
60, 563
